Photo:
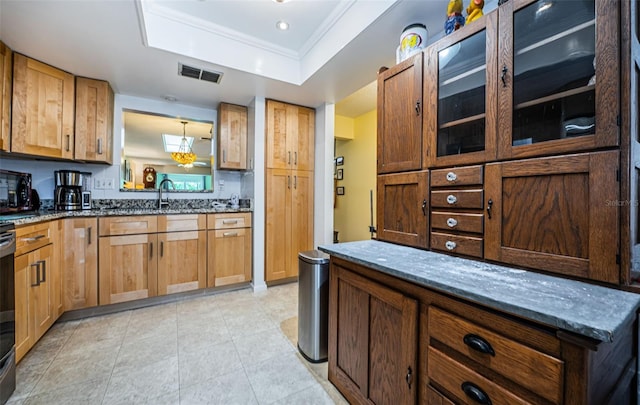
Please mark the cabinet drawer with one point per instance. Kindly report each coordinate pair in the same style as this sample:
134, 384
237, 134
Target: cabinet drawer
32, 237
128, 225
181, 222
522, 364
457, 198
463, 382
232, 233
464, 245
228, 221
457, 176
457, 222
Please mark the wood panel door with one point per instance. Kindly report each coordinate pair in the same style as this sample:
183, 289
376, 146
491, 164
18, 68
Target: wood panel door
25, 276
41, 296
94, 120
400, 139
229, 256
182, 261
232, 137
6, 75
128, 268
278, 128
373, 340
301, 217
278, 224
79, 263
42, 109
290, 136
303, 140
403, 208
557, 214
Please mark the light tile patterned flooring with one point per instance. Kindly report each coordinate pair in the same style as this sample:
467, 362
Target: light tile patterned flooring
235, 347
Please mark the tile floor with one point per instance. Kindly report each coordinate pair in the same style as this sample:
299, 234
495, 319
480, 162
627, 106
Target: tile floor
231, 348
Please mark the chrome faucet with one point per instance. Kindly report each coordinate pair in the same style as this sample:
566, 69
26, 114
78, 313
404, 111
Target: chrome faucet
164, 201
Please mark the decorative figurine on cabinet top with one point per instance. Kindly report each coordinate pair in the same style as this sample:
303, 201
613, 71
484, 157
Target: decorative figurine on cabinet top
474, 11
455, 19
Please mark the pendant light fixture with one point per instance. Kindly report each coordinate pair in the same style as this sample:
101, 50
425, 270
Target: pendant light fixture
184, 155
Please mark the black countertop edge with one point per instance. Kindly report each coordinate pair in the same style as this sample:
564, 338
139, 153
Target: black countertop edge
586, 309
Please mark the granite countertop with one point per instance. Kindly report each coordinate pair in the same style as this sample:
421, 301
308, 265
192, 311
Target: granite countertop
582, 308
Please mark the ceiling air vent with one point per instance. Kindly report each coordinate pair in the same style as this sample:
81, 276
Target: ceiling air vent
200, 74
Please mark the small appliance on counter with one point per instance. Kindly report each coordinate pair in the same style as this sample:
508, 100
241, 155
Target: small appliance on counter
71, 191
15, 192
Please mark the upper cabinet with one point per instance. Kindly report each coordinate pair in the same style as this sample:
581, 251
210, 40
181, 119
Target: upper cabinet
290, 130
460, 86
558, 88
42, 109
5, 96
400, 145
232, 134
94, 120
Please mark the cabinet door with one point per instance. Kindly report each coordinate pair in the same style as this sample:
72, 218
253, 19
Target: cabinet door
5, 96
42, 109
302, 140
551, 98
400, 145
403, 208
278, 224
558, 214
460, 89
128, 268
373, 340
80, 263
182, 261
41, 296
25, 276
290, 136
232, 137
278, 152
301, 217
94, 120
229, 256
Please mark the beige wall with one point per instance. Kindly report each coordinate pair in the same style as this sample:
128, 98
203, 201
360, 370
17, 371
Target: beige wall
352, 210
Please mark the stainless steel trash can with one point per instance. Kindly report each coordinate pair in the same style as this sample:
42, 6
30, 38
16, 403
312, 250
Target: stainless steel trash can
313, 302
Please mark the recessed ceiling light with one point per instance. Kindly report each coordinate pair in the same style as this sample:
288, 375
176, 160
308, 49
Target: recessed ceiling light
281, 1
282, 25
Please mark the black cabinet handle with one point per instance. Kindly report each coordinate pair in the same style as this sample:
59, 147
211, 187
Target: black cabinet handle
161, 249
44, 271
418, 107
150, 249
503, 76
424, 207
478, 344
475, 393
88, 235
489, 207
409, 377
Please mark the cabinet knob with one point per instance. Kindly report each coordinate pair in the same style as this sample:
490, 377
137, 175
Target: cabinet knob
451, 222
450, 245
451, 176
424, 207
503, 75
409, 377
452, 199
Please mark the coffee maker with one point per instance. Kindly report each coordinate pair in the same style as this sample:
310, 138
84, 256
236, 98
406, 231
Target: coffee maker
72, 190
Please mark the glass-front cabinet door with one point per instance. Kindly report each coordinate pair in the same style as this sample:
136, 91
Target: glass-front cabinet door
460, 86
553, 70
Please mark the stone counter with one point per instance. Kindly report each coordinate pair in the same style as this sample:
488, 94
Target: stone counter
586, 309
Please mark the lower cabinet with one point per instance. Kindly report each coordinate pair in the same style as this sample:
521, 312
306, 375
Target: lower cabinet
35, 292
373, 340
229, 241
79, 262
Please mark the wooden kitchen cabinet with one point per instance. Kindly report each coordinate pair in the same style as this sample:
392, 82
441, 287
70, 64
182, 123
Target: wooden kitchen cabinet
6, 75
403, 208
79, 262
400, 138
128, 260
42, 116
182, 256
229, 249
557, 214
289, 221
290, 136
94, 120
232, 137
373, 339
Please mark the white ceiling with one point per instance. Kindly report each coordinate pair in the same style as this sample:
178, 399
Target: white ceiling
333, 47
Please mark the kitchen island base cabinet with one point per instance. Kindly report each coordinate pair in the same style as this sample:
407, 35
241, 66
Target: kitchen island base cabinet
372, 340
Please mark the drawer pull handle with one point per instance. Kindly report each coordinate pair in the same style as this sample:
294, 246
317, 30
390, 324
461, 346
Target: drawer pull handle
450, 245
451, 222
229, 234
475, 393
478, 344
34, 239
229, 221
451, 176
451, 199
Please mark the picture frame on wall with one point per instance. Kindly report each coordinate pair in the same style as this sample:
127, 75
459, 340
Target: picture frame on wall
340, 174
340, 190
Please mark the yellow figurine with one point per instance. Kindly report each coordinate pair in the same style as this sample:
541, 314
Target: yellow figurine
474, 11
455, 19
